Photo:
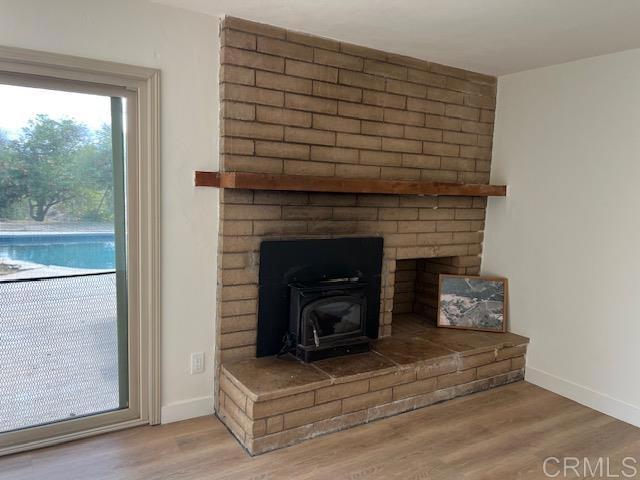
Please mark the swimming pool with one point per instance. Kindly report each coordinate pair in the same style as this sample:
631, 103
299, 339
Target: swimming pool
73, 249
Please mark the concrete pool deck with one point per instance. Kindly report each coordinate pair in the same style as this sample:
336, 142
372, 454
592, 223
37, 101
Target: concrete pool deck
26, 270
58, 347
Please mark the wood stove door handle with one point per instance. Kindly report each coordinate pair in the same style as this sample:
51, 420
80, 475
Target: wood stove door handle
314, 326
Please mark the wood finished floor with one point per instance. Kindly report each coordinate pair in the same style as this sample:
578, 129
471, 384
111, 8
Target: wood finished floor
504, 433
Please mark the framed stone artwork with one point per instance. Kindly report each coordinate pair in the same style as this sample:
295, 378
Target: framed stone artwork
472, 303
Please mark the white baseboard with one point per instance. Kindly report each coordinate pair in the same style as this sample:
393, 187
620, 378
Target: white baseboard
185, 409
598, 401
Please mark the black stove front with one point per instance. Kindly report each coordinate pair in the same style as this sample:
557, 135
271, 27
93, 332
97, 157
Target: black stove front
318, 298
327, 318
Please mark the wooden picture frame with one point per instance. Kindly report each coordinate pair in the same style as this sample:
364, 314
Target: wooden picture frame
467, 293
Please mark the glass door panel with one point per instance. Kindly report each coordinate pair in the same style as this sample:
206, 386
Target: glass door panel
64, 334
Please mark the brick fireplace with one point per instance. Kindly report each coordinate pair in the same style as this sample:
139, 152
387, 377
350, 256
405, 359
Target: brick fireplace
297, 104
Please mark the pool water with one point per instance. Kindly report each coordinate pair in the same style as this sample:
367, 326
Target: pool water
92, 251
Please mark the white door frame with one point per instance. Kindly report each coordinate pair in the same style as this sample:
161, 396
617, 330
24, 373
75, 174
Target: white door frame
141, 86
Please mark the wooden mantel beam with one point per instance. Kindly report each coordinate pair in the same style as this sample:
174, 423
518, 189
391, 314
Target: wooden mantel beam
207, 179
308, 183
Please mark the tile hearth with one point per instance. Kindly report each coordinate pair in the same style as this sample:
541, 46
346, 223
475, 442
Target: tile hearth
269, 403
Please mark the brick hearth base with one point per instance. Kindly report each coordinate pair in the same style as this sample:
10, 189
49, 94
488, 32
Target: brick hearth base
269, 403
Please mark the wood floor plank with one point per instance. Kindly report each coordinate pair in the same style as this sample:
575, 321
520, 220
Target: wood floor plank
502, 433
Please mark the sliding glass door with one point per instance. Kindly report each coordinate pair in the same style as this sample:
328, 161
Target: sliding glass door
69, 337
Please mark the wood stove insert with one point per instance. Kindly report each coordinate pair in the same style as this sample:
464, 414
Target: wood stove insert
320, 297
327, 318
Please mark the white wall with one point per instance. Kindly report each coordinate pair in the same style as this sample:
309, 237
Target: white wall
567, 143
184, 46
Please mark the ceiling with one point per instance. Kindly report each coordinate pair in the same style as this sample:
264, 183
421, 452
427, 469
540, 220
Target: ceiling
489, 36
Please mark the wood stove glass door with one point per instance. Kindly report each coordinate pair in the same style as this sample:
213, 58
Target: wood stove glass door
331, 319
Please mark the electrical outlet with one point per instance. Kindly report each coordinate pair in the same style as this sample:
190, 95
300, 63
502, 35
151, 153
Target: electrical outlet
197, 363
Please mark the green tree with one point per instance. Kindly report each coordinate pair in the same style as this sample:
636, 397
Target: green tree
49, 152
57, 163
102, 168
94, 199
11, 175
